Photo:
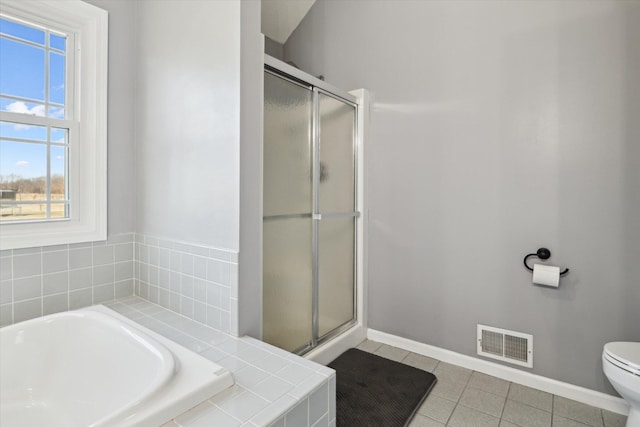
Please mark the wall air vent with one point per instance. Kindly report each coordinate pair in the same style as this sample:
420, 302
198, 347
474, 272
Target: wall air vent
508, 346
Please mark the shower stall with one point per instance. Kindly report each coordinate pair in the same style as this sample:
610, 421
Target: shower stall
310, 209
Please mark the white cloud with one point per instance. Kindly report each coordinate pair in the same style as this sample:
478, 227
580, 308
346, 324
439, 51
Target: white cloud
22, 163
22, 108
59, 157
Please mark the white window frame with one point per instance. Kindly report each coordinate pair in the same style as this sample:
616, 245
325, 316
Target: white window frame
87, 127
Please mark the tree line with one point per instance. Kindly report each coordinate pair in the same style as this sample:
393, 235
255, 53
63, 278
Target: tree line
37, 185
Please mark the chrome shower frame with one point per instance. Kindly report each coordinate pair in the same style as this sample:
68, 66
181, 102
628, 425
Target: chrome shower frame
282, 70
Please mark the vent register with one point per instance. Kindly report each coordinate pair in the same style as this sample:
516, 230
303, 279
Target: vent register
507, 346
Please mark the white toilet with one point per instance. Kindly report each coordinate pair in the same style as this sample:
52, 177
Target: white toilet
621, 365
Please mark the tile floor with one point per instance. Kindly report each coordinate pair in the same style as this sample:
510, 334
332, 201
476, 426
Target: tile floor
466, 398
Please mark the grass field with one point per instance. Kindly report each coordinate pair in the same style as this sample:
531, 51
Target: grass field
13, 210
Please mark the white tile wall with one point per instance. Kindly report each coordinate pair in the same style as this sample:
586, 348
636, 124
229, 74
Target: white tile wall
199, 282
45, 280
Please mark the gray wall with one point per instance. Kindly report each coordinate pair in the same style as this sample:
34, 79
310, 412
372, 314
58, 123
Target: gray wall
121, 127
273, 48
251, 103
496, 128
188, 121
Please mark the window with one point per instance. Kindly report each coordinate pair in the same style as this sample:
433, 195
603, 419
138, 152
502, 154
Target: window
53, 81
34, 145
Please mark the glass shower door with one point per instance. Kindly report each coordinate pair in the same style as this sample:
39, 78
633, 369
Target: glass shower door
309, 223
287, 225
337, 213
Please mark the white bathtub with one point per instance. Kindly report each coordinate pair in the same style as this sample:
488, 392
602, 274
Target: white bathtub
94, 367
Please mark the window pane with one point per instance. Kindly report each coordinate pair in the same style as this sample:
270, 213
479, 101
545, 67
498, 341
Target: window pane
22, 172
22, 70
56, 112
20, 212
59, 136
56, 78
22, 107
18, 130
21, 31
58, 42
58, 172
23, 168
59, 210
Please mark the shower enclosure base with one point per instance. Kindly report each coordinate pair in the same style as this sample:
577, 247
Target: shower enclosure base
334, 347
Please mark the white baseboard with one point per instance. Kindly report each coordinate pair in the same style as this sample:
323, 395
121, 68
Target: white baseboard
570, 391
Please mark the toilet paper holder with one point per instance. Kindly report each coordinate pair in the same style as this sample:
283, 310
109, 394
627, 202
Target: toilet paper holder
542, 253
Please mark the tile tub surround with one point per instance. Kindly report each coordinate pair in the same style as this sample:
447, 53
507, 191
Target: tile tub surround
273, 387
199, 282
45, 280
466, 398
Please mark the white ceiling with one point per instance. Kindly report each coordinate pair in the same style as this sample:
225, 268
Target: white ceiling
281, 17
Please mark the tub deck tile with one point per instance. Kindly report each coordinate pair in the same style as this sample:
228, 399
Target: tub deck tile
270, 382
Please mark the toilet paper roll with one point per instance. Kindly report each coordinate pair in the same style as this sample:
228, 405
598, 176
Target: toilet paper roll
546, 275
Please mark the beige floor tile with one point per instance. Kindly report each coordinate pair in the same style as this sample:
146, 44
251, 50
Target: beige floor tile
393, 353
369, 346
466, 398
483, 401
559, 421
525, 416
448, 389
422, 421
467, 417
437, 408
531, 396
488, 383
452, 372
421, 362
577, 411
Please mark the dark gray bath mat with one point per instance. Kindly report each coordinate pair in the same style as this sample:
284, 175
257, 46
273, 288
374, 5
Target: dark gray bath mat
372, 391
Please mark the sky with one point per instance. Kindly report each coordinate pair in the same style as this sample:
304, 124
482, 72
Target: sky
23, 75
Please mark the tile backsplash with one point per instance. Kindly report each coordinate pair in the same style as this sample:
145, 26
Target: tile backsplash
44, 280
196, 281
199, 282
